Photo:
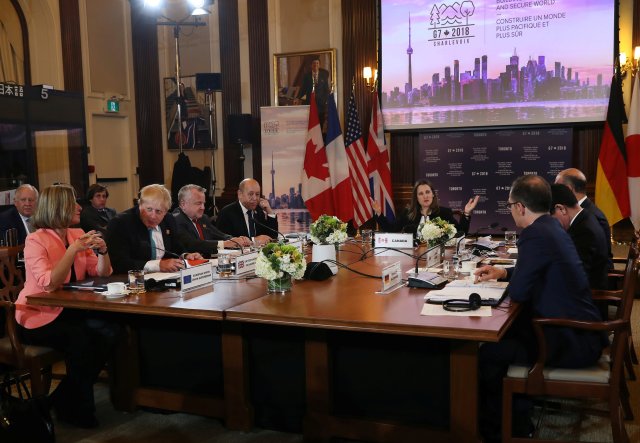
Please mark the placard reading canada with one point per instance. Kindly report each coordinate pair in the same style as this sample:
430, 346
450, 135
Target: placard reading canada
485, 163
452, 63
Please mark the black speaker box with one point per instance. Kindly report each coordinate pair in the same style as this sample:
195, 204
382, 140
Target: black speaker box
317, 271
239, 127
211, 81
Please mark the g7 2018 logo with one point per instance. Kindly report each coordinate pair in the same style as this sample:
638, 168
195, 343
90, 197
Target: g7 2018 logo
450, 24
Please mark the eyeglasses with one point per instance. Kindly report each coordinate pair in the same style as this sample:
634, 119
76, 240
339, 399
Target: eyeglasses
510, 204
149, 210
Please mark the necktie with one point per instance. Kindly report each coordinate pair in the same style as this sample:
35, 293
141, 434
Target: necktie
199, 228
153, 244
252, 225
30, 227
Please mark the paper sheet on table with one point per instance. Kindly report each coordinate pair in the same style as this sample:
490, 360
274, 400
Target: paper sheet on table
462, 292
435, 270
428, 309
159, 276
512, 250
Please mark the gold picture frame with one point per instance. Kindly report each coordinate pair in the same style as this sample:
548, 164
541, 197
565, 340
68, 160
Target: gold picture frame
290, 68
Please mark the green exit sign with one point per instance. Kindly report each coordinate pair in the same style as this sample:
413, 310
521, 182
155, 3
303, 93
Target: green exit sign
113, 105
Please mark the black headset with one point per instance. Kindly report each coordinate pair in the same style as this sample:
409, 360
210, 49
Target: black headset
461, 305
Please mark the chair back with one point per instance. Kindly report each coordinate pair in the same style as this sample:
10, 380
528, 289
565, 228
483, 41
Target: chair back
11, 278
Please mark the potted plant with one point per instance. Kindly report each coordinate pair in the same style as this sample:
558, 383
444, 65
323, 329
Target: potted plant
278, 264
327, 232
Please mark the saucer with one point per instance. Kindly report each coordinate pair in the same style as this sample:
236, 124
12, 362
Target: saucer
115, 294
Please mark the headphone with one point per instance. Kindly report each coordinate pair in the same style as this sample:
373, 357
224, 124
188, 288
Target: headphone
460, 305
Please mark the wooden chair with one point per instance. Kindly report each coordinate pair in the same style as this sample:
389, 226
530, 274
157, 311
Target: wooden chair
36, 361
604, 380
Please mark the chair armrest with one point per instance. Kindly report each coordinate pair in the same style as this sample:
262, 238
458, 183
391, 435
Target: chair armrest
536, 375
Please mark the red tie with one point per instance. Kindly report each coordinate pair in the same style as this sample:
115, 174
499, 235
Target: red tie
199, 228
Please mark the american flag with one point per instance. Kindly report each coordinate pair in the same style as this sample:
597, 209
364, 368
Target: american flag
357, 166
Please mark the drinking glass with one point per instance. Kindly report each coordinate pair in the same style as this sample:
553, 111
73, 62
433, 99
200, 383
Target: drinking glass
510, 238
136, 281
225, 268
366, 236
446, 268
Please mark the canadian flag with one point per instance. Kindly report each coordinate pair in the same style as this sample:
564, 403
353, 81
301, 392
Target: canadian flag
315, 178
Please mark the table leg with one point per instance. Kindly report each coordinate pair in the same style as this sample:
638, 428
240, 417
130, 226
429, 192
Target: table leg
125, 371
239, 413
318, 382
464, 391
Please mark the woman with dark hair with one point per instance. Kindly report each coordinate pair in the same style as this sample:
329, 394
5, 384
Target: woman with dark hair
56, 254
424, 206
96, 215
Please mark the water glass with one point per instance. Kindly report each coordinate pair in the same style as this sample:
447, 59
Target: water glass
225, 267
366, 236
510, 238
136, 281
446, 268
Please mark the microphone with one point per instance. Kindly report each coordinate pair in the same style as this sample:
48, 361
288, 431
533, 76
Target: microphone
484, 228
236, 243
278, 233
459, 234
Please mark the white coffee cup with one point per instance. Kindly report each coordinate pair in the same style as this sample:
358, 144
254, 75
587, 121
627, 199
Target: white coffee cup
468, 266
116, 288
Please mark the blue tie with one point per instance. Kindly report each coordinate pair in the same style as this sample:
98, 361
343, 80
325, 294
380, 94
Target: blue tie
252, 225
153, 244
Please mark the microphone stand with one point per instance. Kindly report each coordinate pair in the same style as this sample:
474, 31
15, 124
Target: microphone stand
278, 233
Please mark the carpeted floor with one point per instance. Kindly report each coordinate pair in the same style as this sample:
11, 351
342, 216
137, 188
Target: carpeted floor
570, 422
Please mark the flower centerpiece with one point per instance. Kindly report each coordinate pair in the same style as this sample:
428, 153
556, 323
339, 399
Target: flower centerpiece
436, 231
326, 233
278, 263
328, 230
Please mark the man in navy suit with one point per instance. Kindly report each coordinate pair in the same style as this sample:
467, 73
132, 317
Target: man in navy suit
251, 216
575, 180
196, 231
18, 217
585, 232
145, 236
549, 281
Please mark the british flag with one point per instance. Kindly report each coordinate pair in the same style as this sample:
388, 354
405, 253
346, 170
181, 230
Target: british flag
378, 163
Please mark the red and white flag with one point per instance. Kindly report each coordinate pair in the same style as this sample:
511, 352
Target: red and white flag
378, 163
357, 166
315, 178
338, 165
633, 154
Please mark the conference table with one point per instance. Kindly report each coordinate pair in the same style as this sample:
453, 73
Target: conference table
340, 319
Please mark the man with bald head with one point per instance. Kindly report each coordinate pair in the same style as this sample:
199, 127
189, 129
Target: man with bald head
18, 217
251, 216
575, 180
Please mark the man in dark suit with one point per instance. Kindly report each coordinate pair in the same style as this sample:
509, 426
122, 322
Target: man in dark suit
251, 216
549, 281
95, 216
144, 236
318, 78
585, 232
18, 217
196, 231
575, 180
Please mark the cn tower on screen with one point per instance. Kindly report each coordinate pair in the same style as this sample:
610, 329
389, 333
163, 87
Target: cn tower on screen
409, 86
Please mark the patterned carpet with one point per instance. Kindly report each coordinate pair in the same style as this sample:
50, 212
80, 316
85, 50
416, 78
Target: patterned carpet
570, 422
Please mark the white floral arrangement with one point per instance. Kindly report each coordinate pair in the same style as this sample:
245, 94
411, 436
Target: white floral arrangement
328, 230
436, 231
277, 259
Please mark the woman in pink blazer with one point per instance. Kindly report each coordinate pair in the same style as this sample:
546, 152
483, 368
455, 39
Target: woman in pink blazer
57, 254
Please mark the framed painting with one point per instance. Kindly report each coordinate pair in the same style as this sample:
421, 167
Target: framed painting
295, 74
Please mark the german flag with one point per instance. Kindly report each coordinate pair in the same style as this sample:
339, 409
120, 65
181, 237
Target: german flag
612, 188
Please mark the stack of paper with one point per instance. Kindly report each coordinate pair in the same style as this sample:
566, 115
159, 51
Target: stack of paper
462, 289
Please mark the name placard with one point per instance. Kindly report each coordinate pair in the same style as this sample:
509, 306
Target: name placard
196, 277
391, 278
433, 256
246, 263
391, 240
